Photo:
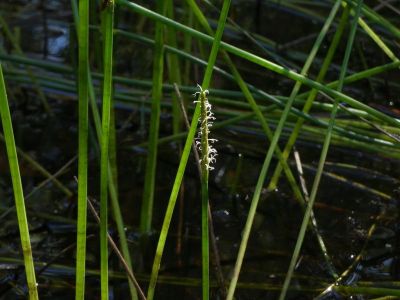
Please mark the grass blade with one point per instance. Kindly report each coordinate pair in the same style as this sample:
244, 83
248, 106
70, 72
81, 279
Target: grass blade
18, 192
108, 24
83, 67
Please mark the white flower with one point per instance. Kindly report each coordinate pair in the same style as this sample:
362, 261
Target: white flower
208, 155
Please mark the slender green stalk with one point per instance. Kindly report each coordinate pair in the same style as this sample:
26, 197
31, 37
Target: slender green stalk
271, 150
207, 158
185, 155
83, 73
113, 147
108, 24
205, 162
146, 214
18, 192
322, 159
205, 248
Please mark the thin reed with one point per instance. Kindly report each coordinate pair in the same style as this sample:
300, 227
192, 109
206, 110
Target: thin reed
83, 94
18, 191
108, 26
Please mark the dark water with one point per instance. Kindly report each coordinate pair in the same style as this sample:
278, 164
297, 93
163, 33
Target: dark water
356, 213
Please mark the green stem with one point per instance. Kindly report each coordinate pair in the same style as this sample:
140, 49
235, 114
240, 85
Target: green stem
18, 192
108, 24
207, 157
83, 73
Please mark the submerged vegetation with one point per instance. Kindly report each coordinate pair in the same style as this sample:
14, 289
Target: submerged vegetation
110, 184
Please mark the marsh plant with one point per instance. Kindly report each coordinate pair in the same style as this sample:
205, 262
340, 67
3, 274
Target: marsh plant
302, 97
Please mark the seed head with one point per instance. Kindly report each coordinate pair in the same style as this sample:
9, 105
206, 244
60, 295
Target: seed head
203, 142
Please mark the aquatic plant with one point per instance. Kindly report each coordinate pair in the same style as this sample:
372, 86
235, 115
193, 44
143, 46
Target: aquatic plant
272, 98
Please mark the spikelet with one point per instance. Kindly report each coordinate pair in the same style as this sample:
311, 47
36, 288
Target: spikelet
203, 142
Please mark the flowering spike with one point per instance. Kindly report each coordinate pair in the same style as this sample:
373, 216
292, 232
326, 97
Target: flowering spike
203, 143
